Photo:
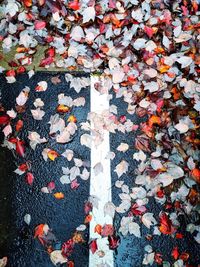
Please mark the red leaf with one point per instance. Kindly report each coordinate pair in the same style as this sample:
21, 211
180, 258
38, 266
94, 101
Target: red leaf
113, 241
74, 5
39, 230
4, 119
179, 235
149, 31
39, 24
27, 3
166, 224
158, 258
46, 61
122, 119
20, 149
70, 264
23, 167
29, 178
175, 253
21, 69
67, 248
93, 246
10, 73
138, 210
50, 52
184, 256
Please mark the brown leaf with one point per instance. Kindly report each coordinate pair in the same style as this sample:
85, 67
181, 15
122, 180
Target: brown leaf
142, 143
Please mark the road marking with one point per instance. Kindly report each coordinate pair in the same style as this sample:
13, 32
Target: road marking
100, 185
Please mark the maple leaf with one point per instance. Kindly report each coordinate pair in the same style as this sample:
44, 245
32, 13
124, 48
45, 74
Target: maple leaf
166, 224
142, 143
67, 248
39, 230
114, 241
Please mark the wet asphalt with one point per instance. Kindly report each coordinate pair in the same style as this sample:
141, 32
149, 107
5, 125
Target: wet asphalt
63, 216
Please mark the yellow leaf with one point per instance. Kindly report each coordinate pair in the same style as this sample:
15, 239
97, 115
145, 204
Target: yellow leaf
72, 118
63, 109
52, 155
59, 195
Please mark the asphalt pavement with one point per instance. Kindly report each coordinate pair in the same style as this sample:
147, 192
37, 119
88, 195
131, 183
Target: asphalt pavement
18, 199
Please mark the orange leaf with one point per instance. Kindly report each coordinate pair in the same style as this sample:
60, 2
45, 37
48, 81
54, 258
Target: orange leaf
72, 118
70, 264
27, 3
39, 230
77, 238
52, 155
154, 120
21, 49
164, 68
176, 93
19, 125
98, 229
88, 218
196, 175
59, 195
63, 109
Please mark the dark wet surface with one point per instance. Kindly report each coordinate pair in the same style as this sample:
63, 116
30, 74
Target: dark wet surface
63, 216
18, 198
130, 253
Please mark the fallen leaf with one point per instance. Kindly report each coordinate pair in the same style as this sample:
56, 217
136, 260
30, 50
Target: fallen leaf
93, 246
121, 168
41, 86
52, 155
59, 195
57, 257
123, 147
3, 262
29, 178
88, 14
134, 229
27, 218
148, 219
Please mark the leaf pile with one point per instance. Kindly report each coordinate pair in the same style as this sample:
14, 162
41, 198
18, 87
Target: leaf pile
149, 56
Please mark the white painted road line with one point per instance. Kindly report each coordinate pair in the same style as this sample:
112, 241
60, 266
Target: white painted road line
100, 185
